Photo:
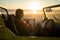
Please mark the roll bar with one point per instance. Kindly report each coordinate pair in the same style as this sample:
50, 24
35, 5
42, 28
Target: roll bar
49, 7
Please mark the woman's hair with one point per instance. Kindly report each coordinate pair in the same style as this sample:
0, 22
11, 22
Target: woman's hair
19, 12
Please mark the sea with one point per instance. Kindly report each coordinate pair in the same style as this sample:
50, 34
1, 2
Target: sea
39, 15
28, 14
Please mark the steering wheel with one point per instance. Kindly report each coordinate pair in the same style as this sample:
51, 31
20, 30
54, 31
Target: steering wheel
49, 26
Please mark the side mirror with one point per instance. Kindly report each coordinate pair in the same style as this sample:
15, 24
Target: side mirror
48, 10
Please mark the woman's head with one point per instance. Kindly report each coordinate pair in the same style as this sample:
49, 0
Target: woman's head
19, 13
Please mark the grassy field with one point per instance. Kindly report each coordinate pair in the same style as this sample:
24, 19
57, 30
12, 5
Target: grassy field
8, 35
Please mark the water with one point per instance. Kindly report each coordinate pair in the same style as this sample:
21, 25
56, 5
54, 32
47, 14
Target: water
28, 14
39, 16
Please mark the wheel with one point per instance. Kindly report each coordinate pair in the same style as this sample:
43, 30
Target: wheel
49, 26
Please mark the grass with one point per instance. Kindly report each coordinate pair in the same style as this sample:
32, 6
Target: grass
8, 35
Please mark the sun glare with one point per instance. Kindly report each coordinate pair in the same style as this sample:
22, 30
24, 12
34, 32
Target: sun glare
34, 6
34, 11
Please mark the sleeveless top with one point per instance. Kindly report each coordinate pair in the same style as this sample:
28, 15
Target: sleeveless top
23, 27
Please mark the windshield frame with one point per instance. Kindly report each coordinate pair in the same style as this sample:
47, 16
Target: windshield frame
49, 7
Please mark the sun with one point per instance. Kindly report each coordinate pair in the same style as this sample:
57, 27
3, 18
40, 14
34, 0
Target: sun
34, 6
34, 11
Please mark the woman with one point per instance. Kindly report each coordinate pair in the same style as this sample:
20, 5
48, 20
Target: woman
23, 27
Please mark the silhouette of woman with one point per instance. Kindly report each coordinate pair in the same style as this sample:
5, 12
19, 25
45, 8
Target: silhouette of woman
23, 27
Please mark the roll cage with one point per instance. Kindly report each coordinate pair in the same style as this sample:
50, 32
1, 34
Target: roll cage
49, 7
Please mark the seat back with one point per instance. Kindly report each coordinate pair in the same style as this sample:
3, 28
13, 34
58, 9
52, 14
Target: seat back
11, 24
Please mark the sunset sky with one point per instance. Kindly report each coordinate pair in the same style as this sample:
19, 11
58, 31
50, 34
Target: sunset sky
27, 4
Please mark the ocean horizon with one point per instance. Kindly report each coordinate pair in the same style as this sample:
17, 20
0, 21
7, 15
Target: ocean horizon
38, 16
